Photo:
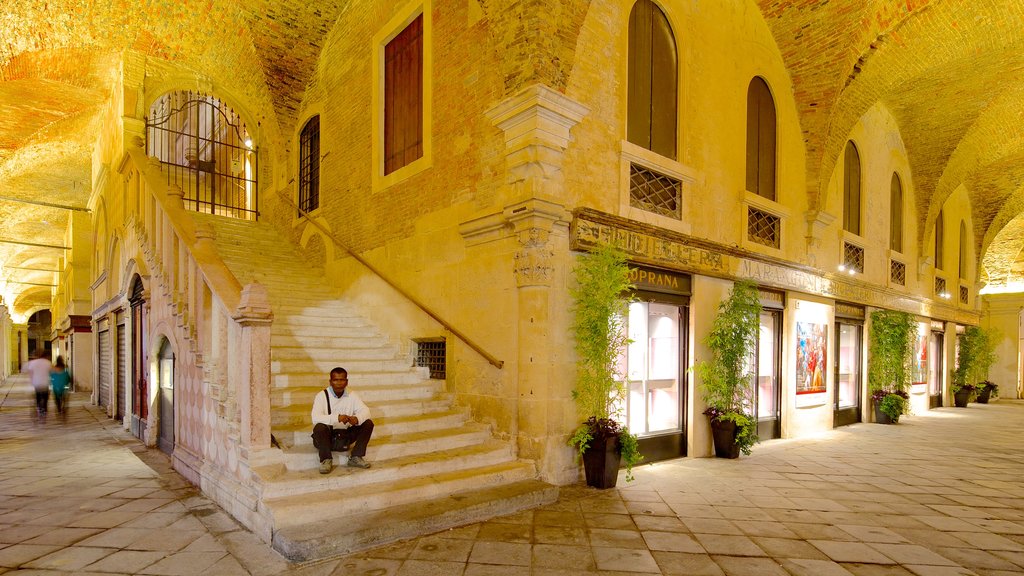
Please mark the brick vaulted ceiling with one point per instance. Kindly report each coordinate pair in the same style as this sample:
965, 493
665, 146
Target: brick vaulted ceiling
949, 70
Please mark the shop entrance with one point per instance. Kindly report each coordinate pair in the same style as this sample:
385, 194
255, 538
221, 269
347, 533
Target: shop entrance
935, 367
846, 404
655, 362
166, 400
768, 360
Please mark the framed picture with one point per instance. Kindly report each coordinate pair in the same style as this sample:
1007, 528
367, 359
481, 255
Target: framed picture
811, 358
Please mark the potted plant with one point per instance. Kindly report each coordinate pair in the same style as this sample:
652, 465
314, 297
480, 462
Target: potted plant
975, 355
600, 307
988, 388
726, 381
891, 344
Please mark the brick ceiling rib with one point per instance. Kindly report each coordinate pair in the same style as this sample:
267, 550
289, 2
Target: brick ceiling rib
950, 72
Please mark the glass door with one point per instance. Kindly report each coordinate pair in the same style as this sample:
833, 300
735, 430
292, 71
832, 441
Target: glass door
654, 377
768, 398
846, 407
938, 342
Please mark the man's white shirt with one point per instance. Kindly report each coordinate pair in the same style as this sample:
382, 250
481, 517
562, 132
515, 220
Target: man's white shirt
348, 404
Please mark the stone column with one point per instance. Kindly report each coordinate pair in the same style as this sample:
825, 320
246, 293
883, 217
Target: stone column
249, 370
22, 330
536, 123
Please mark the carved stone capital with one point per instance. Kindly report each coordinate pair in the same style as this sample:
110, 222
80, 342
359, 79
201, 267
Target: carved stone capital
254, 306
817, 222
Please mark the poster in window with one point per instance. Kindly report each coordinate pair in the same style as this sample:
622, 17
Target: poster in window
919, 370
811, 360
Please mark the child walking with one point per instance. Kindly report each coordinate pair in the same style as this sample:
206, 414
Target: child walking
59, 380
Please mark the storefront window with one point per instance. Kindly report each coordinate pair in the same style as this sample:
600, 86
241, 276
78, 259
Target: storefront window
652, 368
849, 365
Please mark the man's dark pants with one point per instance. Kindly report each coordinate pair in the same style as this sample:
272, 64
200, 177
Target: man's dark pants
326, 438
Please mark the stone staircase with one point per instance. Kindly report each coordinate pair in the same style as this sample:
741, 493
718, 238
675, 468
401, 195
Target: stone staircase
432, 469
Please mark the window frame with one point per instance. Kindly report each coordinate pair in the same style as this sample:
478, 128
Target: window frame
852, 192
395, 26
940, 238
963, 251
635, 107
313, 156
896, 214
758, 134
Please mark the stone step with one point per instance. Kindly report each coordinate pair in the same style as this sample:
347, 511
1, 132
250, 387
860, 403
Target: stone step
299, 413
309, 331
390, 482
358, 380
310, 540
325, 366
319, 321
334, 353
347, 339
303, 456
375, 395
329, 308
298, 433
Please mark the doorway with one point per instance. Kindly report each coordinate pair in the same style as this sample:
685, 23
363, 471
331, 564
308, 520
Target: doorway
655, 373
139, 361
846, 404
768, 361
165, 368
935, 367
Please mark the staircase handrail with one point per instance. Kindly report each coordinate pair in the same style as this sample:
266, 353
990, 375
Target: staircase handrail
221, 280
489, 357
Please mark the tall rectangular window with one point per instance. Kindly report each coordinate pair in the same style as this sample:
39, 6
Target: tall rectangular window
851, 190
403, 97
652, 80
939, 239
760, 139
309, 165
896, 214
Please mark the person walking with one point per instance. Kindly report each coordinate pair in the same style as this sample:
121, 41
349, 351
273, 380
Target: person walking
340, 418
59, 380
38, 370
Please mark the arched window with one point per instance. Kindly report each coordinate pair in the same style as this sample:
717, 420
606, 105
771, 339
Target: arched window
205, 148
896, 214
760, 139
309, 165
938, 241
652, 80
851, 190
963, 251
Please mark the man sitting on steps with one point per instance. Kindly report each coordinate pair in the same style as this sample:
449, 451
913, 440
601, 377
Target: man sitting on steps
339, 419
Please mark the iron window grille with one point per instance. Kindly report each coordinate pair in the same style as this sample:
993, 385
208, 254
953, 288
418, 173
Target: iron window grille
898, 272
205, 148
853, 257
940, 287
654, 192
309, 166
432, 354
964, 294
763, 227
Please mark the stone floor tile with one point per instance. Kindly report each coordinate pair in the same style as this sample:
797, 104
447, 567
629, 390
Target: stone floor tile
875, 569
505, 532
548, 518
712, 526
695, 511
745, 566
560, 535
615, 538
472, 569
505, 553
650, 508
396, 551
851, 552
771, 529
941, 571
15, 555
979, 559
809, 567
108, 519
183, 564
20, 533
565, 557
728, 545
524, 517
912, 554
999, 526
681, 563
788, 548
130, 561
70, 558
611, 521
430, 568
164, 540
229, 566
625, 560
819, 531
872, 533
948, 524
452, 549
671, 542
988, 541
660, 523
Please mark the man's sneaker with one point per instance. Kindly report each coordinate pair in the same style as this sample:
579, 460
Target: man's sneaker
358, 462
326, 466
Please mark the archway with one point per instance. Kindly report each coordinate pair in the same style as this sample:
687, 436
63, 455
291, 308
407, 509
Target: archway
165, 399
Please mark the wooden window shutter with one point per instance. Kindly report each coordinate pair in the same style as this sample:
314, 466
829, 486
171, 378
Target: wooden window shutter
760, 139
939, 239
963, 251
896, 214
851, 190
652, 80
403, 97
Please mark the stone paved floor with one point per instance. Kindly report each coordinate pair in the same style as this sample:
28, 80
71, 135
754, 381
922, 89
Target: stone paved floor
939, 494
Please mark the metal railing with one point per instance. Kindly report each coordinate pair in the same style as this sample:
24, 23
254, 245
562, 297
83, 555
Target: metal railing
479, 350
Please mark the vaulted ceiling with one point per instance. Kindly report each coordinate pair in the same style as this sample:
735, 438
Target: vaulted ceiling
951, 72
